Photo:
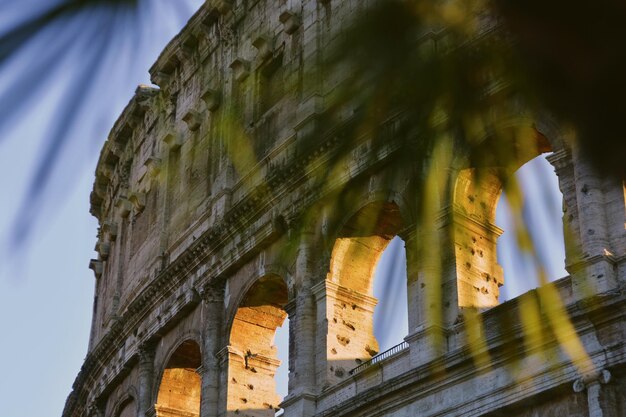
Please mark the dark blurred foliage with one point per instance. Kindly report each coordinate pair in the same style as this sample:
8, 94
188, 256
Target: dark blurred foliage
448, 79
18, 36
563, 58
567, 57
574, 55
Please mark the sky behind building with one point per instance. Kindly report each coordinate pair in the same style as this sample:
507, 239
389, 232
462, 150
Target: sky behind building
49, 89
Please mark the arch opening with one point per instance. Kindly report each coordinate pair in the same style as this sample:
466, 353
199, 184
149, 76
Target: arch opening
357, 322
541, 211
179, 390
391, 322
253, 359
127, 409
477, 193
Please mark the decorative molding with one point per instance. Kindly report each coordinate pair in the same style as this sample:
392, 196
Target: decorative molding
124, 207
212, 99
290, 21
187, 48
161, 79
97, 267
153, 166
107, 170
211, 293
241, 69
173, 140
603, 377
146, 356
193, 120
103, 249
109, 228
223, 6
265, 47
138, 200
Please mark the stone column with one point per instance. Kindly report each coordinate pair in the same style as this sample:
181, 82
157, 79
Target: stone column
601, 396
223, 357
300, 402
345, 323
212, 314
561, 160
426, 335
600, 226
478, 274
451, 266
146, 379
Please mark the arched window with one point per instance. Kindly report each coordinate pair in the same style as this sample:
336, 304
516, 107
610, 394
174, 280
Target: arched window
127, 409
477, 237
252, 354
353, 325
179, 391
541, 212
391, 323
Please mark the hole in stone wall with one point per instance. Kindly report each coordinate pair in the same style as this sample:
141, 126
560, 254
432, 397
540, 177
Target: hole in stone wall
391, 321
179, 391
541, 213
367, 303
258, 346
281, 341
128, 409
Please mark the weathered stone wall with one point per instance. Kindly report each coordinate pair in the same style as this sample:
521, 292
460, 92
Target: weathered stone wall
217, 221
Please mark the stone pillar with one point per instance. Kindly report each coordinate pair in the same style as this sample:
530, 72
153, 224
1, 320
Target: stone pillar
468, 239
478, 274
601, 396
426, 336
311, 38
146, 380
300, 402
600, 230
212, 314
222, 358
346, 318
561, 160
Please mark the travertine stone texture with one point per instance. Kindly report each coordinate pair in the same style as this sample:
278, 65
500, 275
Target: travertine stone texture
215, 227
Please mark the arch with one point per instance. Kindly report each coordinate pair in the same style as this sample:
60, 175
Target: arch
367, 194
273, 272
161, 361
360, 242
347, 298
180, 384
542, 210
475, 195
252, 356
125, 402
126, 407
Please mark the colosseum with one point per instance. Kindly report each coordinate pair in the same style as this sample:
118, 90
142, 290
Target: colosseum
226, 212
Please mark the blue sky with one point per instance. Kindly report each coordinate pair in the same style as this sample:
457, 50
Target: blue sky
46, 289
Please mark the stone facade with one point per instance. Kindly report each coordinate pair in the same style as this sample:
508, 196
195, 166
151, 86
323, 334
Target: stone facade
216, 224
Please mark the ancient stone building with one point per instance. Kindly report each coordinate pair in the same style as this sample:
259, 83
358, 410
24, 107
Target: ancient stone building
218, 221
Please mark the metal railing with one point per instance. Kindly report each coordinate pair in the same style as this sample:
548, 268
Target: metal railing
380, 357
